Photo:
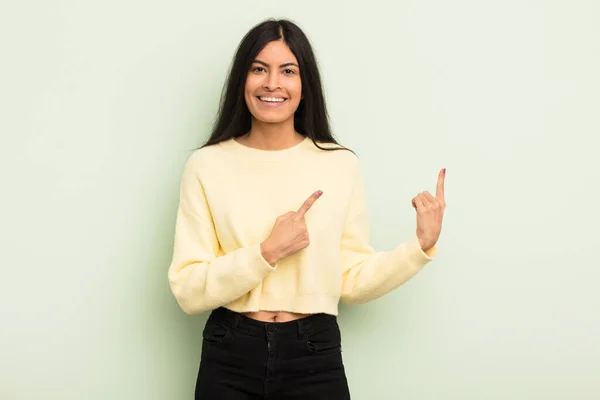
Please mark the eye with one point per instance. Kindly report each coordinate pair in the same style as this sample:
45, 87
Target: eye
289, 71
256, 69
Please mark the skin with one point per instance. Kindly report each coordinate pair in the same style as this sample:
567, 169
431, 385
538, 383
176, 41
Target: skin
275, 73
430, 213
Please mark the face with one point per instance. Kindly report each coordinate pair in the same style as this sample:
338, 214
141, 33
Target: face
273, 86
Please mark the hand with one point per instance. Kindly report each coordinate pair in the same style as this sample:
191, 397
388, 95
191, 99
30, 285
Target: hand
289, 235
430, 211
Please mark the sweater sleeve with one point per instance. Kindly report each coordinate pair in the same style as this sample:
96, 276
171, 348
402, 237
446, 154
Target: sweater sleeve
200, 276
366, 273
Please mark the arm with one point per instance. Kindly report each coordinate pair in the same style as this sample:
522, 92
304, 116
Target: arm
200, 278
369, 274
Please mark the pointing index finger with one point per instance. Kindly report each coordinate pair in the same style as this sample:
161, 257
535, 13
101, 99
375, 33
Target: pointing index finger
440, 184
309, 202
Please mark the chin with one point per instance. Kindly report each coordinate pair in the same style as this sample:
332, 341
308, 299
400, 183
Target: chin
271, 119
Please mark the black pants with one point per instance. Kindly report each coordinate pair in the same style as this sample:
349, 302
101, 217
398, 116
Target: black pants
247, 359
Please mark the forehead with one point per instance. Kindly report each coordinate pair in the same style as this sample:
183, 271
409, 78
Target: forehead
276, 51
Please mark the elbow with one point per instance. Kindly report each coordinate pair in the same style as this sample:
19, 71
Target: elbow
191, 296
190, 308
349, 300
356, 295
352, 293
353, 298
192, 303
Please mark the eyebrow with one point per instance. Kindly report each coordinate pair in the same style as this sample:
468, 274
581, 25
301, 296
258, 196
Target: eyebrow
281, 66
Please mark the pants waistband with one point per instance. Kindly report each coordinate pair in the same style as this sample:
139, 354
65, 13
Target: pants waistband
298, 327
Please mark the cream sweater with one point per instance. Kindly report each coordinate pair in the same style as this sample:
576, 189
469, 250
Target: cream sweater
230, 196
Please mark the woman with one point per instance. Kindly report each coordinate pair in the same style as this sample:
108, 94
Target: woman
272, 231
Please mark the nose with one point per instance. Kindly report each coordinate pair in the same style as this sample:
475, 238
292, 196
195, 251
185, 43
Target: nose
272, 81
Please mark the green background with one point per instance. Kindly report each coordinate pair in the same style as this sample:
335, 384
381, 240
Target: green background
103, 101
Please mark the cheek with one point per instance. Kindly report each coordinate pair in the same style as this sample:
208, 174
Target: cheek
298, 88
296, 91
248, 101
251, 86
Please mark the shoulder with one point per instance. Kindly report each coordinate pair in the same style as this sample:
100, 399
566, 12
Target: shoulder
203, 159
341, 154
343, 159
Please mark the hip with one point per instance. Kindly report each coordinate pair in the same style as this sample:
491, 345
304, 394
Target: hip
315, 336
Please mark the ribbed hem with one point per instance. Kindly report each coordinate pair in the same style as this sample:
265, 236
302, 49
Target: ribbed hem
309, 303
417, 253
241, 151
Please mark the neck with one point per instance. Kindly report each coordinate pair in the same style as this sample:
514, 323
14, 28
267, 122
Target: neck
267, 136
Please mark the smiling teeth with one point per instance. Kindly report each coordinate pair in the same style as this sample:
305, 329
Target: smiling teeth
272, 99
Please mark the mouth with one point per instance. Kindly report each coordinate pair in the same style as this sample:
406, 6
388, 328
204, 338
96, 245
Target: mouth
271, 101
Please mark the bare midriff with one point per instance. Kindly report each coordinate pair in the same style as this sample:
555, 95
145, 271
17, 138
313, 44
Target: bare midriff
275, 316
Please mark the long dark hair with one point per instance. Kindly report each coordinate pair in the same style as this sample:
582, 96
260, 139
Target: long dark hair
310, 119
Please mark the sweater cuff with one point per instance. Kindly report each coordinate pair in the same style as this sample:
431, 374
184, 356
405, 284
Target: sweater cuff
258, 259
421, 257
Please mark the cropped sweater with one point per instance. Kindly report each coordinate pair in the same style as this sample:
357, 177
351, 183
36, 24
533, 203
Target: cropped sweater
230, 196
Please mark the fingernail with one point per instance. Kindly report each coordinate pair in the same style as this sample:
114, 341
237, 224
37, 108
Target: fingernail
444, 171
320, 192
